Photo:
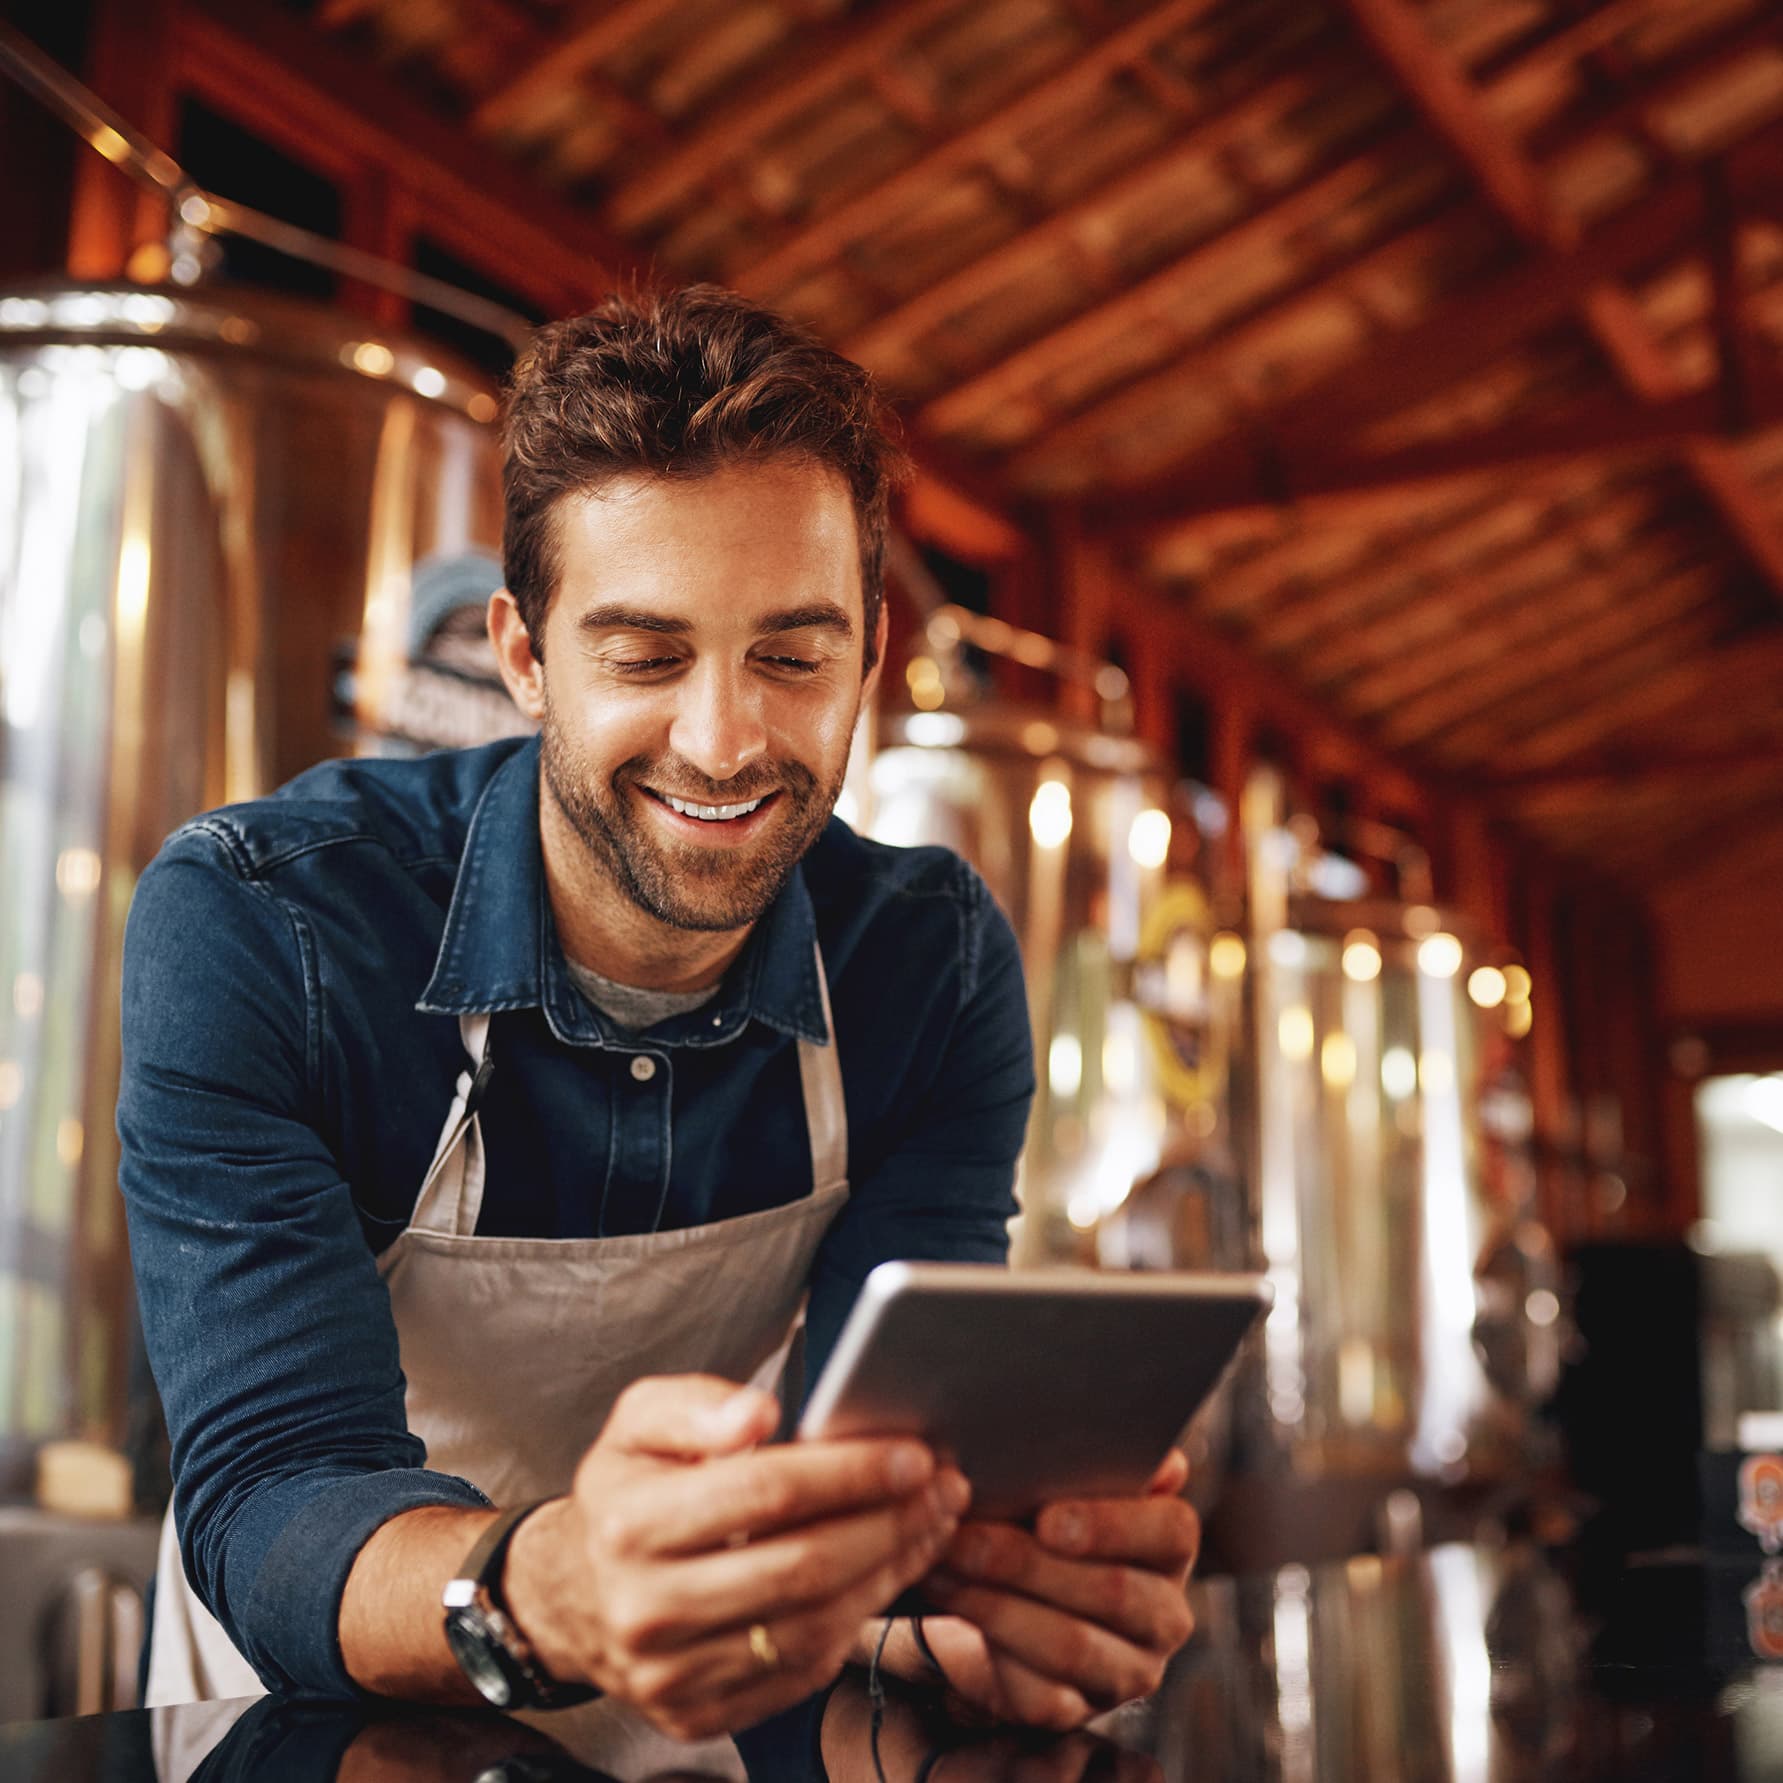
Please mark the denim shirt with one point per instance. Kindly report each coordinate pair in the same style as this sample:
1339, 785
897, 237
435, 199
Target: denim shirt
294, 971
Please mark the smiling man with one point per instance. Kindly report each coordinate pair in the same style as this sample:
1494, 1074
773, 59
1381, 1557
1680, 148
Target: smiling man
491, 1120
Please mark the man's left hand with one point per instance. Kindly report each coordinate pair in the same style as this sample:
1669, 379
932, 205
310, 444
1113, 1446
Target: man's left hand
1050, 1628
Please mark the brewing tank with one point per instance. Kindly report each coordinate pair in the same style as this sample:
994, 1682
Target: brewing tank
1069, 827
211, 504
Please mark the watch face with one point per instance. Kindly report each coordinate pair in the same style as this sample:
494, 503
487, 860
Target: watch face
481, 1655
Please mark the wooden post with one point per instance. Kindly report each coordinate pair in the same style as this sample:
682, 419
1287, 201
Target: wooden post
129, 66
381, 218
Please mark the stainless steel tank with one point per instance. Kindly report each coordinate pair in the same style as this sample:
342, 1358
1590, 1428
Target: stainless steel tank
1069, 827
206, 499
1417, 1319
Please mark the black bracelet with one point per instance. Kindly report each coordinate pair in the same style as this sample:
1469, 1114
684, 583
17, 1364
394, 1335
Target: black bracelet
928, 1653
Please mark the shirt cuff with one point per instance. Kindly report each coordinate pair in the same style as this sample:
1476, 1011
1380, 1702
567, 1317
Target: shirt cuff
289, 1630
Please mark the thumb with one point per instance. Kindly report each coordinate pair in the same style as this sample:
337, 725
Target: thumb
1171, 1477
689, 1416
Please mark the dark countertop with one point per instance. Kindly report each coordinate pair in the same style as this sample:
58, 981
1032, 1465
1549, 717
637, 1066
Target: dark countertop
1463, 1665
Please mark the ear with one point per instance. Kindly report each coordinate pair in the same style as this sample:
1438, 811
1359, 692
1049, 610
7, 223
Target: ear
881, 631
521, 670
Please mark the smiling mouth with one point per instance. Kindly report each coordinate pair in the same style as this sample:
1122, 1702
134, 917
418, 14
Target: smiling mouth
709, 813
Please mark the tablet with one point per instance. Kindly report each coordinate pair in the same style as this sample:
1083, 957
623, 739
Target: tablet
1039, 1384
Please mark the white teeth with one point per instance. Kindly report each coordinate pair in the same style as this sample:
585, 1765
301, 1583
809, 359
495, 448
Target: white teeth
708, 813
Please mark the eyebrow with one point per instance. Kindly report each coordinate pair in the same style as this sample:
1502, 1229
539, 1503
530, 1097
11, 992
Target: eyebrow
821, 616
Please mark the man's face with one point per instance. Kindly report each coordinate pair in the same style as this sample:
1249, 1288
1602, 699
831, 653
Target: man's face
701, 681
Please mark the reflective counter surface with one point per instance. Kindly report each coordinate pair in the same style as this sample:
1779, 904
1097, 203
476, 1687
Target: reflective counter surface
1461, 1665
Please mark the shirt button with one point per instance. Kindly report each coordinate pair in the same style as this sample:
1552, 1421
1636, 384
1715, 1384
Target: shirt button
643, 1067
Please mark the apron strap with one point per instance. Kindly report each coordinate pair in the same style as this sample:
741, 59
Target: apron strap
826, 1111
452, 1192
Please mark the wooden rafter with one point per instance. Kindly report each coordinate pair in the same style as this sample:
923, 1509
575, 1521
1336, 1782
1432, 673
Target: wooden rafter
594, 29
1460, 337
1547, 633
1135, 396
886, 333
1313, 198
1481, 615
1513, 188
1104, 53
1558, 797
1704, 832
1726, 674
257, 61
1603, 771
1327, 481
826, 58
1346, 621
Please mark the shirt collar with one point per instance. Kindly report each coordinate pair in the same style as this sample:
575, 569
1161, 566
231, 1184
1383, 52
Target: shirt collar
500, 948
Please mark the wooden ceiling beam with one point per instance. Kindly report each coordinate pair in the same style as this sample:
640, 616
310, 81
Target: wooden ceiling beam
1549, 641
1014, 377
1400, 367
593, 30
1511, 186
1481, 741
1563, 794
1726, 674
1458, 338
263, 65
825, 58
1702, 839
1327, 189
1456, 112
1103, 54
1489, 616
880, 339
1346, 636
1329, 482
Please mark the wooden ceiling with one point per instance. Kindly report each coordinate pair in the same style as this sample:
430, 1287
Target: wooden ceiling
1432, 349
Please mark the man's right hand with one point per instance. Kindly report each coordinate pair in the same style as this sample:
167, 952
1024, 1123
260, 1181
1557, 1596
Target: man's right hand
681, 1535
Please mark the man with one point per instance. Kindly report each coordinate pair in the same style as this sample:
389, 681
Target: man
488, 1119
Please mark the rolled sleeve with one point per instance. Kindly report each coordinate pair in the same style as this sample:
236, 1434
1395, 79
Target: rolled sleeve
267, 1324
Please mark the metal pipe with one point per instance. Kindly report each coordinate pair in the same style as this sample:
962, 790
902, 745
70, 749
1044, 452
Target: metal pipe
194, 212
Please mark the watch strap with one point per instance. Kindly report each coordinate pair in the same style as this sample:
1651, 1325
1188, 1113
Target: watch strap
481, 1574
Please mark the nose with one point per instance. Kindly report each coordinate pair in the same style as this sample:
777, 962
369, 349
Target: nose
718, 725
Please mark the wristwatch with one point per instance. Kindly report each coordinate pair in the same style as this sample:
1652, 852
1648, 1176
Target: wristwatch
482, 1633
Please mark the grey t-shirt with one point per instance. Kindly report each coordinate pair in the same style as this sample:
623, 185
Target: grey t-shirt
632, 1007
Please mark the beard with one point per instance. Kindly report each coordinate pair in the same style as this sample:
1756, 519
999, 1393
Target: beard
682, 884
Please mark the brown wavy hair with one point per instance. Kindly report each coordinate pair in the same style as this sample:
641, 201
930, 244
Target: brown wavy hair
679, 384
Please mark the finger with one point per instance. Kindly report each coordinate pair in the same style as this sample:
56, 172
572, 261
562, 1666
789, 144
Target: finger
1171, 1477
800, 1568
1106, 1668
735, 1498
810, 1646
1143, 1606
1027, 1698
689, 1416
1161, 1533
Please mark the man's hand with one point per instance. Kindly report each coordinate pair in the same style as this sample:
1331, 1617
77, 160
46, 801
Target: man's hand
1050, 1628
680, 1539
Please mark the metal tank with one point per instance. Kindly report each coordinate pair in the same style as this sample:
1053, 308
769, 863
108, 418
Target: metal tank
210, 505
1417, 1321
1068, 825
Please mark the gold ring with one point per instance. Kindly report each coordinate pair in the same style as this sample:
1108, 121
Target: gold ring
761, 1644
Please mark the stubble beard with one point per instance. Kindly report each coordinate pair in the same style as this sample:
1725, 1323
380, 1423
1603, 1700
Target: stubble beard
709, 890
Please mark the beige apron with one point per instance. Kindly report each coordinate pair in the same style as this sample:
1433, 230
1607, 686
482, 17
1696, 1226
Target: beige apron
514, 1349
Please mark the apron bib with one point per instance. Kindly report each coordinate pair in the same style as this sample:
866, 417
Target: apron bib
577, 1320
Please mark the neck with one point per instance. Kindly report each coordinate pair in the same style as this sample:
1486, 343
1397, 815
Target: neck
599, 925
